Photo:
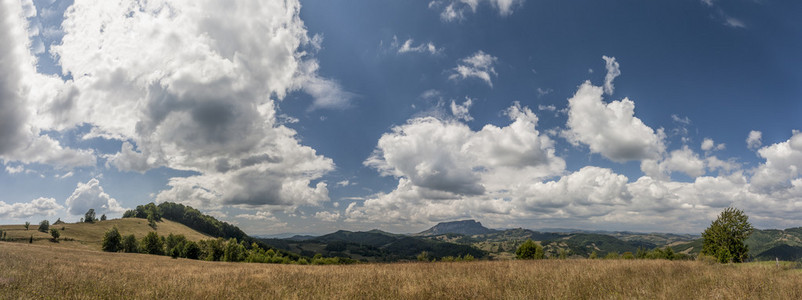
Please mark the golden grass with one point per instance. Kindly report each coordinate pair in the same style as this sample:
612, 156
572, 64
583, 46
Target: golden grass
90, 235
43, 271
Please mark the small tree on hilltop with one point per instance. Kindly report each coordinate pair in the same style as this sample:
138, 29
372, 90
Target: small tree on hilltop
55, 234
529, 250
89, 216
725, 237
44, 226
103, 217
112, 240
27, 224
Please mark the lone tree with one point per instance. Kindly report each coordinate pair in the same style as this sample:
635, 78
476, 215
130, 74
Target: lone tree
55, 234
27, 224
89, 217
529, 250
725, 237
112, 240
44, 226
103, 217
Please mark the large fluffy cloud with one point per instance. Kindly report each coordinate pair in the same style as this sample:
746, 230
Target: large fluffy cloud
610, 129
783, 167
195, 85
21, 89
90, 195
445, 163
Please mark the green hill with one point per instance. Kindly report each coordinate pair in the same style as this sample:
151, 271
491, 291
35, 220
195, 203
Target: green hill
90, 235
374, 245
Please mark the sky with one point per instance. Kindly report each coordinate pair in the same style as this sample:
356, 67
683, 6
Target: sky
313, 116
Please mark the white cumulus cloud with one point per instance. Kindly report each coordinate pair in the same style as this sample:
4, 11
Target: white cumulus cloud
610, 129
195, 85
37, 207
90, 195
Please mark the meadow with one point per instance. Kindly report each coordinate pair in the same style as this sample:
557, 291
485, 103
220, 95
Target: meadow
89, 235
45, 271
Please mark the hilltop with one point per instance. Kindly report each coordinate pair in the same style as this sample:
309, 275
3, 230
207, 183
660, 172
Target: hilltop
89, 235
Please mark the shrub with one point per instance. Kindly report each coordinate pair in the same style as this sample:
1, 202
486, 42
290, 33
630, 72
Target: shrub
593, 255
129, 244
55, 234
529, 250
112, 240
563, 253
725, 237
152, 244
468, 257
423, 256
628, 255
612, 255
44, 226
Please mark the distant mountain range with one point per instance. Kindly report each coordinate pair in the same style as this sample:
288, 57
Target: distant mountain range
470, 237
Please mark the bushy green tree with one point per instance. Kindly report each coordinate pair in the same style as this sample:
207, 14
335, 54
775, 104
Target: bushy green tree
174, 243
103, 217
190, 250
27, 224
89, 216
130, 244
152, 244
112, 240
725, 237
529, 250
593, 255
212, 249
55, 234
44, 226
233, 251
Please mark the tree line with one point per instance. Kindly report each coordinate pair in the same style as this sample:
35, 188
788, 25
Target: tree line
219, 249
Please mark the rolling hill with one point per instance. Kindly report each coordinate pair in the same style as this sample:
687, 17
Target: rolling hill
374, 245
90, 235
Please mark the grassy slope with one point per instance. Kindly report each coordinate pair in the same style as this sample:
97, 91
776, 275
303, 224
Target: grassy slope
44, 271
90, 235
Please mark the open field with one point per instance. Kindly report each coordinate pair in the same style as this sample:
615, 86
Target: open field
44, 271
90, 235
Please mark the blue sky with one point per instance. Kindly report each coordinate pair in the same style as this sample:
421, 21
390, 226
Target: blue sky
313, 116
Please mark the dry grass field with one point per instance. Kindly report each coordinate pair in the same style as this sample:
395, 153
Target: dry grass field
90, 235
42, 271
